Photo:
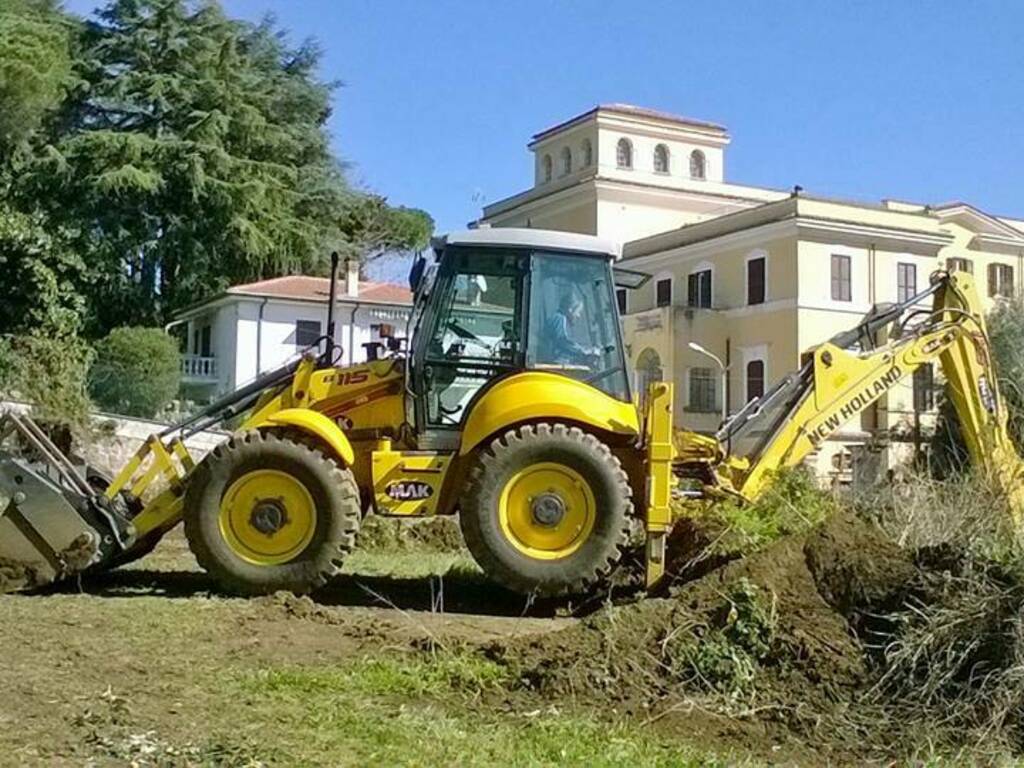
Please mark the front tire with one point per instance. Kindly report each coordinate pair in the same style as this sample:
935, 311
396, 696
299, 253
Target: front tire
546, 510
265, 513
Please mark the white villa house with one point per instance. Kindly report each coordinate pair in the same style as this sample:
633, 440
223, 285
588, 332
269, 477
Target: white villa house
253, 328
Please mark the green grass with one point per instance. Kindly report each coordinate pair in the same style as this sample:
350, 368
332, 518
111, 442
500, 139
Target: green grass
427, 710
410, 565
435, 674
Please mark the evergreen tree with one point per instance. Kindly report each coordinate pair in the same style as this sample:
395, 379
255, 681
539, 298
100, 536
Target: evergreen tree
196, 157
40, 275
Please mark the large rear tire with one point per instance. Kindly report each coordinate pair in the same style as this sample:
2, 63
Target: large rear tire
546, 510
265, 513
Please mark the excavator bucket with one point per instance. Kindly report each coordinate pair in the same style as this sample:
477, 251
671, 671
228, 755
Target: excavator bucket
53, 522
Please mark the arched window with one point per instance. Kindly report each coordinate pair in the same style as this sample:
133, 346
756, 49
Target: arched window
661, 159
546, 163
698, 165
624, 154
566, 161
587, 152
648, 370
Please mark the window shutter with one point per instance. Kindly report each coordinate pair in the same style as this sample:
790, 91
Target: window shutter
755, 281
693, 290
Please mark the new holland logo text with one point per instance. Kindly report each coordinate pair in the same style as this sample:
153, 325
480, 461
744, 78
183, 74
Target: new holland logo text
855, 405
408, 490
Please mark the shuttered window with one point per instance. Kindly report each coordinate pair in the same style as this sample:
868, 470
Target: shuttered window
924, 388
1000, 280
755, 379
906, 282
663, 291
842, 283
755, 281
702, 390
620, 299
957, 264
698, 289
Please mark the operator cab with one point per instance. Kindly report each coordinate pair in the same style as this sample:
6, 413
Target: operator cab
495, 302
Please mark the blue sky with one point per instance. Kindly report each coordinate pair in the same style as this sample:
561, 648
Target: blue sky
863, 100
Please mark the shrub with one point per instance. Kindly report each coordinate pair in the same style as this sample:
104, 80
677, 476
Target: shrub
50, 372
1006, 331
726, 653
136, 371
1006, 334
792, 503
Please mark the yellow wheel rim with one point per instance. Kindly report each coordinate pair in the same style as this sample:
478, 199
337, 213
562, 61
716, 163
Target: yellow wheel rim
267, 517
547, 511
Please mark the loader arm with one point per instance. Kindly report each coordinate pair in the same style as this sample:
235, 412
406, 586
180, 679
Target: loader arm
843, 377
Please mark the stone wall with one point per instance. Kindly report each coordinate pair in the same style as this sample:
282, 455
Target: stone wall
114, 439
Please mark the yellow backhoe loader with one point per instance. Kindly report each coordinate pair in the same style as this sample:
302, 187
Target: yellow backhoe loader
512, 406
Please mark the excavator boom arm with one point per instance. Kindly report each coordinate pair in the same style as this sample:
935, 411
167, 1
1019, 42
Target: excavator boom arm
838, 383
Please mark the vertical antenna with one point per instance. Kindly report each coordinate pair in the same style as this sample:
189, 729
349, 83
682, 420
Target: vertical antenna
332, 298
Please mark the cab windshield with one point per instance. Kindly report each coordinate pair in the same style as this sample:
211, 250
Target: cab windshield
574, 326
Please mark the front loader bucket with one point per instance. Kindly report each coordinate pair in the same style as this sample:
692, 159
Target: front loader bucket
42, 536
52, 524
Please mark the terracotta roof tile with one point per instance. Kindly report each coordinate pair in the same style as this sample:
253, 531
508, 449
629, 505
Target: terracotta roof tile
308, 288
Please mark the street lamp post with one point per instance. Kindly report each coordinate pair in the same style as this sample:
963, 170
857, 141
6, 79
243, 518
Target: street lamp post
725, 376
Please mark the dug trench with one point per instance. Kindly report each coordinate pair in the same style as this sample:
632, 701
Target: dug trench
773, 658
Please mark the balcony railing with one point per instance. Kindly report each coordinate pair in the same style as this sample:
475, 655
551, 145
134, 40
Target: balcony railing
197, 368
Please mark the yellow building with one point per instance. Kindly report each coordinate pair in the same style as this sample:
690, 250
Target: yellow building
754, 276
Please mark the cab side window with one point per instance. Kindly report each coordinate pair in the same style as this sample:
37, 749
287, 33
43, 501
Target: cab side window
573, 323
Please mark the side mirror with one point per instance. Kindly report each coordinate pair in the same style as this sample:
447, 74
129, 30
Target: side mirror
419, 266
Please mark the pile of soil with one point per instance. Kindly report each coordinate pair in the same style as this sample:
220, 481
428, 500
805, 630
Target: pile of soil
822, 594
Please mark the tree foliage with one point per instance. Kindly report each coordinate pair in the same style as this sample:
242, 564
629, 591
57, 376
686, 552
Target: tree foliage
1006, 336
135, 372
40, 276
374, 228
1006, 332
198, 155
163, 151
152, 156
35, 68
49, 371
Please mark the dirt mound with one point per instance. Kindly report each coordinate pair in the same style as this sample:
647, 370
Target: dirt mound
780, 633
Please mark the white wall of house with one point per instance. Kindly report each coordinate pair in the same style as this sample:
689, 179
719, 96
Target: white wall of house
252, 335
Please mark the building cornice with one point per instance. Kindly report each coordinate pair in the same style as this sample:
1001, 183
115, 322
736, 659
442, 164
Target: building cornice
751, 196
870, 234
992, 243
630, 112
791, 225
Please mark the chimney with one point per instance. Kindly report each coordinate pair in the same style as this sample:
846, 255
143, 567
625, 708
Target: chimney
352, 278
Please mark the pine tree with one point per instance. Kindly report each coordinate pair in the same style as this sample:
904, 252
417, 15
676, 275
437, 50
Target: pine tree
197, 157
39, 275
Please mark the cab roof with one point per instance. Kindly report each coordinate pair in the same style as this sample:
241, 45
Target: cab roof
546, 239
